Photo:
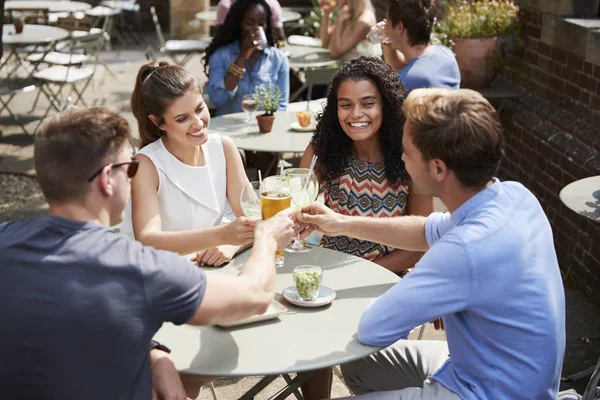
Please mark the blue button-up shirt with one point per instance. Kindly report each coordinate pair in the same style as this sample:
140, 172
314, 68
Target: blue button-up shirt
491, 272
272, 67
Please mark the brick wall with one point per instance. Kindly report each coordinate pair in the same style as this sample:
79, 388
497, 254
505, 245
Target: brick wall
553, 138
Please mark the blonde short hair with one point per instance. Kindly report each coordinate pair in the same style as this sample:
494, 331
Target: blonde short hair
459, 127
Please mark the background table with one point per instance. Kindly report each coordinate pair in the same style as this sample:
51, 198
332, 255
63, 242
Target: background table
303, 339
246, 135
52, 6
308, 57
31, 35
583, 197
211, 15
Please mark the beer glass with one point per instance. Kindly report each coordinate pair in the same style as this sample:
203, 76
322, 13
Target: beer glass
274, 197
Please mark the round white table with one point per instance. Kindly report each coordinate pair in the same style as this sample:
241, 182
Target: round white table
246, 135
210, 15
32, 35
303, 339
52, 6
308, 57
583, 197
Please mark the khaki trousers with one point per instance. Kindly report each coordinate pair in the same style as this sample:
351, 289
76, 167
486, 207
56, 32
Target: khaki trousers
400, 372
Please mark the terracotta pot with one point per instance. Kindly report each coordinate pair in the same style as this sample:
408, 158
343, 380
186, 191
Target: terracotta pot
265, 123
478, 61
18, 27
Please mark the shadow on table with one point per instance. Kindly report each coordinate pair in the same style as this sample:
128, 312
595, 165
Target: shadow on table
595, 214
221, 341
363, 291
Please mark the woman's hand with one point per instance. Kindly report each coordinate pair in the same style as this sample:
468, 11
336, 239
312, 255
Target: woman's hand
344, 14
247, 47
216, 256
239, 231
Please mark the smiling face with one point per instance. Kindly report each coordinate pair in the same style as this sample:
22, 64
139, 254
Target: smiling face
360, 110
420, 170
254, 17
186, 120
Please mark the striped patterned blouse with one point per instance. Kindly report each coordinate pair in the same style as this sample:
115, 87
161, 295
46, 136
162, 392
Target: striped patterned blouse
363, 190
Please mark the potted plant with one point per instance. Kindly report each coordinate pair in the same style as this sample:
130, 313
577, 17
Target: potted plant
18, 20
267, 97
473, 30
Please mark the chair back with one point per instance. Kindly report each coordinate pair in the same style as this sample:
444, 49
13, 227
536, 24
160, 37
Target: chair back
159, 33
318, 76
37, 16
72, 24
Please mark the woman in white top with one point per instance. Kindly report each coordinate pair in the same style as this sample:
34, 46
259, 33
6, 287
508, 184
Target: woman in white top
186, 175
346, 38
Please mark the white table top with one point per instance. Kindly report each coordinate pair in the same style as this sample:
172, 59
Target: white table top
211, 15
102, 11
303, 339
52, 6
308, 57
32, 34
246, 135
583, 197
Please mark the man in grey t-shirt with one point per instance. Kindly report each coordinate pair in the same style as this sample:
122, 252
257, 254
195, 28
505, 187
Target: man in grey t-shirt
80, 303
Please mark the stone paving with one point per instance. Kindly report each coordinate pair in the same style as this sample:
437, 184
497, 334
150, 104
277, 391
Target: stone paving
16, 157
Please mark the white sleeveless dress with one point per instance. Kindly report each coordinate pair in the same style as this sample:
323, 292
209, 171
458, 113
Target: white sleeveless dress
189, 197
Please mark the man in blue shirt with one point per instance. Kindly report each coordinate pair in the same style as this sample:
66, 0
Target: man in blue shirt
420, 63
490, 270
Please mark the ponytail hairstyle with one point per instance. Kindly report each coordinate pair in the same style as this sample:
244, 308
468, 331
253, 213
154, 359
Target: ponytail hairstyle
157, 86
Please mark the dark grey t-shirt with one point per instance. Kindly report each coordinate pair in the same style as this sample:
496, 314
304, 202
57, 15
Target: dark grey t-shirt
79, 304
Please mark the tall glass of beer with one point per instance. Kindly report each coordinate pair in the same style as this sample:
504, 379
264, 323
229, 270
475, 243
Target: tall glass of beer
274, 197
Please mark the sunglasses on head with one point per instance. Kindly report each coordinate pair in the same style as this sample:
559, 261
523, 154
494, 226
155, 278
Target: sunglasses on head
132, 167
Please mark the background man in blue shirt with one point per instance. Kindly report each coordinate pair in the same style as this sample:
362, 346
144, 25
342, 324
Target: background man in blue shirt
419, 63
490, 270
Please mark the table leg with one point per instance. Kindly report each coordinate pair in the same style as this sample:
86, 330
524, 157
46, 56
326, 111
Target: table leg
256, 389
293, 386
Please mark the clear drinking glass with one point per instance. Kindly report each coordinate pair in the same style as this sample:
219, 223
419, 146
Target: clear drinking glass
377, 34
249, 105
262, 42
304, 188
274, 197
250, 199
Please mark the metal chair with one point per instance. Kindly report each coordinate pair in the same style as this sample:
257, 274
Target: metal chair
11, 88
314, 76
179, 48
52, 80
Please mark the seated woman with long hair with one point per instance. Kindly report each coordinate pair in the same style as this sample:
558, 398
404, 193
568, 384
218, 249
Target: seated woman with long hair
346, 38
358, 142
186, 175
234, 63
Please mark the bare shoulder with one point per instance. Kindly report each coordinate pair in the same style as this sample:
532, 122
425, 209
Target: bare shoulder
147, 172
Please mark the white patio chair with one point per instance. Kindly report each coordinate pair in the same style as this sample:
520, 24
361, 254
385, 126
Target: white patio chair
181, 51
52, 80
11, 88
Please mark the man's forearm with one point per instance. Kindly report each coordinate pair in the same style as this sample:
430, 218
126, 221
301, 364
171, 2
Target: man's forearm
260, 266
406, 232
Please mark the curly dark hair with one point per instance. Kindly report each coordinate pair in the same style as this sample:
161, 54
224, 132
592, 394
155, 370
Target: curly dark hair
331, 144
231, 30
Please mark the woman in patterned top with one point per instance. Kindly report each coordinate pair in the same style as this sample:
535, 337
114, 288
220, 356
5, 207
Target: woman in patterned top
359, 144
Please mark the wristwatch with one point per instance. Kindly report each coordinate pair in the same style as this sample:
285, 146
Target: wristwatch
155, 345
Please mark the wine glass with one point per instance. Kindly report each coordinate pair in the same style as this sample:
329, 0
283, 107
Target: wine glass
249, 105
250, 199
304, 188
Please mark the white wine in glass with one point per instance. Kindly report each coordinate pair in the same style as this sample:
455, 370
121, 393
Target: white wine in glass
249, 105
250, 199
304, 188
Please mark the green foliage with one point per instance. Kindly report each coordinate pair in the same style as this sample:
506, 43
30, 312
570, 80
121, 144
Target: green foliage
17, 16
267, 97
476, 20
311, 24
